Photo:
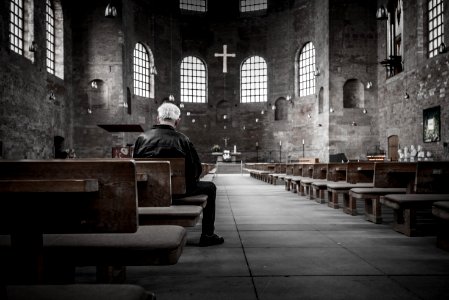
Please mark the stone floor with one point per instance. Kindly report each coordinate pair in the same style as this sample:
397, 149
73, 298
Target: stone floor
282, 246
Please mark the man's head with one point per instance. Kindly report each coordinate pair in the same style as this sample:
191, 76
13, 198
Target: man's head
168, 113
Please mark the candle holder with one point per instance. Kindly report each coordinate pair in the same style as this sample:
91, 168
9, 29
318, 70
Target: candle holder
280, 153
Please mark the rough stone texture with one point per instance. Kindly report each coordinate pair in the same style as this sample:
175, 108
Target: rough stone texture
349, 44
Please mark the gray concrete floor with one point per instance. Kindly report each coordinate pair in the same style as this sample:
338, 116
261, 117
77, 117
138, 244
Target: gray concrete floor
279, 245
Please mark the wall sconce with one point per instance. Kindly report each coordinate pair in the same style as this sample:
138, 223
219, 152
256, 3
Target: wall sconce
89, 111
193, 120
225, 117
364, 111
369, 84
262, 112
94, 84
273, 107
441, 48
331, 110
188, 113
205, 126
257, 120
309, 116
153, 70
224, 127
381, 13
171, 98
33, 47
110, 11
244, 127
354, 123
181, 105
52, 96
406, 96
317, 72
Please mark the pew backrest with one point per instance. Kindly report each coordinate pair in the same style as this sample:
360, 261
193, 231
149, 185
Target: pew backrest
336, 171
360, 172
319, 171
432, 177
395, 175
154, 183
68, 196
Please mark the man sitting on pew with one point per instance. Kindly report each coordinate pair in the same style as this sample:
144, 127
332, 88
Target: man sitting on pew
163, 141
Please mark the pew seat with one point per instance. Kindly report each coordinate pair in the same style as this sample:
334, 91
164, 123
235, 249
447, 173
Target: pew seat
406, 208
334, 189
371, 197
78, 292
306, 186
182, 215
440, 210
200, 200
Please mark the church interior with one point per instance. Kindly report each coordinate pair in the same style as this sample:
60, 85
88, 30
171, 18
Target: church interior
257, 81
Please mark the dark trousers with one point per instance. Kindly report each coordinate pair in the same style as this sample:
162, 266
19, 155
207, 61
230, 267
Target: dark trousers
206, 188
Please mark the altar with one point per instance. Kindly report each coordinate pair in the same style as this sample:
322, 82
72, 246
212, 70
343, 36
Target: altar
227, 156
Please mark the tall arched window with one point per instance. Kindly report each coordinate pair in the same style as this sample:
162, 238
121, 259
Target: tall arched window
306, 70
193, 5
254, 80
435, 10
141, 71
193, 80
252, 5
16, 25
50, 36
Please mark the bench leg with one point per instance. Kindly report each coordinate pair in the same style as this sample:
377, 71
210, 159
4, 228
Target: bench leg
350, 205
294, 188
301, 190
320, 196
333, 197
405, 221
373, 210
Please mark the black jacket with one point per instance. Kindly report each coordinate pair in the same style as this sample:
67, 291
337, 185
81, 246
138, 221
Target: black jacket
164, 141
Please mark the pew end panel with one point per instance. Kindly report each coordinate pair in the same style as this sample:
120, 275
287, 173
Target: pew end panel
155, 188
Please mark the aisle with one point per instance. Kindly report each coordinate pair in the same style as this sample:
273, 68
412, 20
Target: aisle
282, 246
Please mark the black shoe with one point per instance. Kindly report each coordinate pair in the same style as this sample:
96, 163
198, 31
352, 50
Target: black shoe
210, 240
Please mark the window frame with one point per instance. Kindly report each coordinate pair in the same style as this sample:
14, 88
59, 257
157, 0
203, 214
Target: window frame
258, 91
306, 70
196, 89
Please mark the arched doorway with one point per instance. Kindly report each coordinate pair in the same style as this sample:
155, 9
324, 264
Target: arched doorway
393, 147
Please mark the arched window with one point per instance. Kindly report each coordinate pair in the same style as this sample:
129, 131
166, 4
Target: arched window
193, 80
193, 5
252, 5
141, 71
254, 80
435, 10
306, 68
21, 28
50, 36
395, 30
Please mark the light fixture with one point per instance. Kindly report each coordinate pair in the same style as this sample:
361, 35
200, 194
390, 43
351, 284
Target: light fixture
181, 105
224, 127
262, 112
153, 70
257, 120
193, 120
52, 96
317, 72
354, 123
171, 98
441, 48
364, 111
369, 84
188, 113
309, 116
331, 110
110, 11
244, 127
273, 107
319, 125
225, 116
33, 47
406, 96
89, 111
381, 13
94, 84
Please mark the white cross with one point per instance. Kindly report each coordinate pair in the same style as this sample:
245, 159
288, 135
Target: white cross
225, 56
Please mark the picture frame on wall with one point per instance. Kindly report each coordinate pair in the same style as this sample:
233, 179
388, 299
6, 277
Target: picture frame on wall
432, 124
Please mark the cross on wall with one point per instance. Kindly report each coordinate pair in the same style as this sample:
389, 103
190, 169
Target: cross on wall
225, 56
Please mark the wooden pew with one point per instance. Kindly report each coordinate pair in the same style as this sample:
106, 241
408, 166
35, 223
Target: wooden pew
319, 174
335, 172
355, 177
412, 211
440, 211
279, 170
288, 176
389, 178
155, 194
76, 212
301, 170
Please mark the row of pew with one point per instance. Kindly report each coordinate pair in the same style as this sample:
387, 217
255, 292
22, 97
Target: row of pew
416, 192
56, 215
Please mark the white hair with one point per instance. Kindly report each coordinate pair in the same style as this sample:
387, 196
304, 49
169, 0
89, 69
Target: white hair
168, 111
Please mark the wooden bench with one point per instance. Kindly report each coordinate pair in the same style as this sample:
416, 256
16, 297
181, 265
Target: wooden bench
288, 176
440, 211
358, 175
279, 170
296, 177
64, 211
155, 194
319, 174
389, 178
335, 172
413, 212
